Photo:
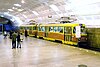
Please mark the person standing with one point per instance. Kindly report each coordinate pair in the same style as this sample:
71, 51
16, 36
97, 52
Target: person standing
26, 34
14, 35
5, 34
18, 40
11, 34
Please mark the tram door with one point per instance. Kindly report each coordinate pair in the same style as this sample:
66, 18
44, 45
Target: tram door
67, 33
1, 28
35, 28
46, 31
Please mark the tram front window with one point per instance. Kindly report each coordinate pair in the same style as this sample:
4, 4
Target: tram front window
83, 30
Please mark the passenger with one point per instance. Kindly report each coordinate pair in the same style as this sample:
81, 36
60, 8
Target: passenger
5, 34
18, 40
26, 34
14, 35
10, 34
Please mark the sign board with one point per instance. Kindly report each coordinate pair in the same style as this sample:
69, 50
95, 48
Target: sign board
78, 32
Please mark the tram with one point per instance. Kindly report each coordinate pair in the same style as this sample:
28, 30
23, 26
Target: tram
31, 29
68, 33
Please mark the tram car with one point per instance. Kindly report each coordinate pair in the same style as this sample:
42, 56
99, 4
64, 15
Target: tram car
66, 33
31, 29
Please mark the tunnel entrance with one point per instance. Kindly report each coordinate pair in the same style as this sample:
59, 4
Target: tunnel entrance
7, 25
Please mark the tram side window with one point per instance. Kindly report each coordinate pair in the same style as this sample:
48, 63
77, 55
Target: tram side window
34, 28
68, 30
30, 28
60, 29
27, 28
43, 29
51, 29
55, 29
83, 30
21, 27
39, 28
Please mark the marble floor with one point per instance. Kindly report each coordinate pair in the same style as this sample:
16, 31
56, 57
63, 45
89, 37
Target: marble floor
41, 53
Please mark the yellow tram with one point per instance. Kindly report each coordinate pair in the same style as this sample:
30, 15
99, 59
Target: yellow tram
66, 33
69, 33
31, 29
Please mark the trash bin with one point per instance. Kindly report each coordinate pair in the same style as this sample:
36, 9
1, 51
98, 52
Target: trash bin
82, 65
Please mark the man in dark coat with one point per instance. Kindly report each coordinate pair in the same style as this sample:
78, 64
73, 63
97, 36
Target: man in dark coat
18, 40
26, 34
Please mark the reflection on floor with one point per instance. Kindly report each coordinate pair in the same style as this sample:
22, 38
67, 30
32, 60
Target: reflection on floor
42, 53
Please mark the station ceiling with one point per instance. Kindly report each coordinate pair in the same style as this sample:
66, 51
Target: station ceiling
44, 11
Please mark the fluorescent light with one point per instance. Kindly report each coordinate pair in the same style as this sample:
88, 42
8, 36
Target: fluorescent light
10, 10
18, 5
35, 13
54, 7
14, 8
22, 1
24, 16
20, 10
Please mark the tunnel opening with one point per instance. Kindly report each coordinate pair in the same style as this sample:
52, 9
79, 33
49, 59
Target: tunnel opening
7, 25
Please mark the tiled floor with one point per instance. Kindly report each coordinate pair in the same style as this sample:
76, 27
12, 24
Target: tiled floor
42, 53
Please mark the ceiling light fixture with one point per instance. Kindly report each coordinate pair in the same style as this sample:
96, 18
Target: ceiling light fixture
22, 1
20, 10
54, 7
14, 8
10, 10
24, 16
35, 13
18, 5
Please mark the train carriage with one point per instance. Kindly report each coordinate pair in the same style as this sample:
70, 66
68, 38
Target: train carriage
22, 29
41, 31
31, 29
66, 33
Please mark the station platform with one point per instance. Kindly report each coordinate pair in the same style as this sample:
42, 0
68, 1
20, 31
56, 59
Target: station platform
41, 53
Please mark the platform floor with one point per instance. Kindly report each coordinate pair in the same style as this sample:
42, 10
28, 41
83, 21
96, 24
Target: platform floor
41, 53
